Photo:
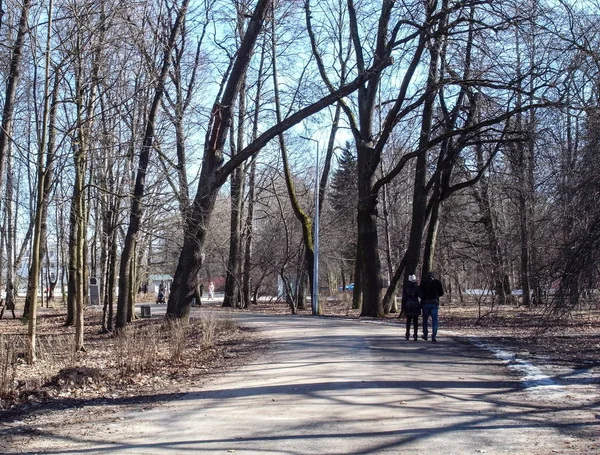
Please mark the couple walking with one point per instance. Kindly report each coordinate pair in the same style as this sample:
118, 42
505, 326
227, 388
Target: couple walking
426, 298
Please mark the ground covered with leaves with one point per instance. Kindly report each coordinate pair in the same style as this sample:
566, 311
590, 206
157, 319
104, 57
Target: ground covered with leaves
152, 358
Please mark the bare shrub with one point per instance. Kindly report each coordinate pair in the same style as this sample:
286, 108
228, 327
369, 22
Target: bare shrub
178, 335
208, 323
8, 365
77, 376
136, 350
212, 325
57, 350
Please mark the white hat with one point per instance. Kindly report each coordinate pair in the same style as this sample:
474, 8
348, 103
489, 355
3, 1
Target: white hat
412, 278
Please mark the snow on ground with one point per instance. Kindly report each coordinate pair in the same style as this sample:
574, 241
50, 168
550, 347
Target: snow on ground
542, 379
535, 381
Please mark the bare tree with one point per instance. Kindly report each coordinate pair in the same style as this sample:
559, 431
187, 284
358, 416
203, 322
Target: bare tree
5, 140
214, 173
135, 219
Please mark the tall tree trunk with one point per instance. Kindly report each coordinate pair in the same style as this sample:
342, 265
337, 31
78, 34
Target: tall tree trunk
34, 270
370, 282
86, 106
14, 75
234, 263
111, 281
389, 306
368, 263
522, 171
76, 260
136, 213
10, 237
500, 279
249, 223
49, 178
305, 222
72, 263
419, 207
132, 289
249, 236
78, 196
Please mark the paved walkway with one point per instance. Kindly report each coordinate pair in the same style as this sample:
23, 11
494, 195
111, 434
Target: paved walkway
333, 386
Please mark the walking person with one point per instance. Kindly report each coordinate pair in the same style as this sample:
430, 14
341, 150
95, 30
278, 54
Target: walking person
431, 290
211, 290
411, 307
161, 293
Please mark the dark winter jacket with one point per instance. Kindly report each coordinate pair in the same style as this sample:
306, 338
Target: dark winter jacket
431, 290
410, 300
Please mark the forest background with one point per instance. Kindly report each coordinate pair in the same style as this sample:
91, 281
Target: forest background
196, 138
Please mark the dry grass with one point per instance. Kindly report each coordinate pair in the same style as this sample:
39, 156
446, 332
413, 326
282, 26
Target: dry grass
151, 354
8, 367
135, 350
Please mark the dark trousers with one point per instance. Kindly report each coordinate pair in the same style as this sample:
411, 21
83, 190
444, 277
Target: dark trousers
415, 323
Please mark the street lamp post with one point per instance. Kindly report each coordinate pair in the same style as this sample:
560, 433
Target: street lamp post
315, 292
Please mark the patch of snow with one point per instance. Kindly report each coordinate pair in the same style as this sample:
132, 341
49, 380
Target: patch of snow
533, 378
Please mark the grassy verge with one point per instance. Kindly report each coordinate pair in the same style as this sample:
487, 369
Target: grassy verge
152, 355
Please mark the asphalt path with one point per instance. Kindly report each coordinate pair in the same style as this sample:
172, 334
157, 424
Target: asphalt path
336, 386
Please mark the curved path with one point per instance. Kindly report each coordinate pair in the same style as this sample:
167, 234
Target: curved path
333, 386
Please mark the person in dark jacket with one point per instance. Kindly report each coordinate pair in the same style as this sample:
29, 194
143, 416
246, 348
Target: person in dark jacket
430, 291
411, 307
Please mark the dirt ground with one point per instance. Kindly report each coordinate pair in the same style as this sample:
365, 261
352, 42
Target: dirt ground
573, 341
62, 380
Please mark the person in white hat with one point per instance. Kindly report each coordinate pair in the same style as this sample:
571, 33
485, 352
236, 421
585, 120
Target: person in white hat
410, 306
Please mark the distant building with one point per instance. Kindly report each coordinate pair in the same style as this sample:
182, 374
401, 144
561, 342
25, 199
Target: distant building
155, 280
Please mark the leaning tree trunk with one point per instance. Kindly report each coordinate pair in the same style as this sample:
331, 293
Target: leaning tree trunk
210, 182
136, 213
214, 174
308, 236
432, 228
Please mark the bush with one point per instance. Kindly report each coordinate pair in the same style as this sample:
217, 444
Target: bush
135, 350
8, 365
212, 325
